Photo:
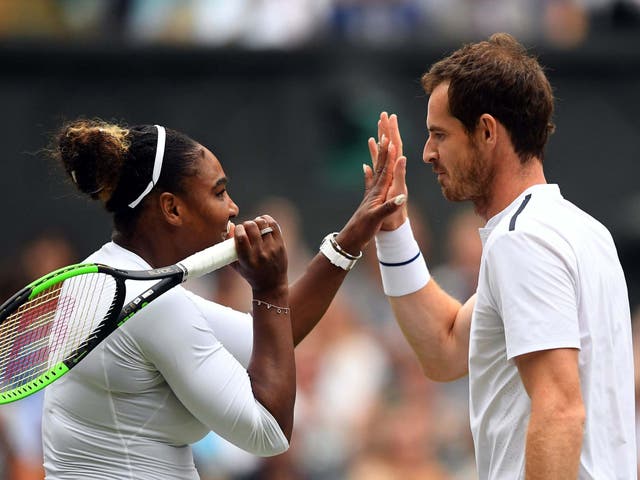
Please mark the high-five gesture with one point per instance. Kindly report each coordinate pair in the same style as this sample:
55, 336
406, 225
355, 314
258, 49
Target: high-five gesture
389, 144
382, 199
311, 295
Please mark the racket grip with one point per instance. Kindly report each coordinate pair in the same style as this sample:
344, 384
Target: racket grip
210, 259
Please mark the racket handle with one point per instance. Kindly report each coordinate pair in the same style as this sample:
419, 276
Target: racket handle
210, 259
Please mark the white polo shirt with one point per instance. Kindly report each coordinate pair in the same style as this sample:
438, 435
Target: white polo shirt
550, 277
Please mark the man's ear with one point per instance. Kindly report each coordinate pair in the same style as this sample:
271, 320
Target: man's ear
487, 130
171, 208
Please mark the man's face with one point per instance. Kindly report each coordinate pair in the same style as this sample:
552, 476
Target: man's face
463, 172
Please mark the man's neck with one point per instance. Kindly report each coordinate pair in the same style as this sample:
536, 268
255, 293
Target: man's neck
508, 183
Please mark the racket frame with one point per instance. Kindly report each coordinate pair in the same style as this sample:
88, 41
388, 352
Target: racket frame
118, 314
200, 263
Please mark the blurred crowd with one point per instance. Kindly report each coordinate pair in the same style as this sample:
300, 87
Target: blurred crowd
282, 24
364, 410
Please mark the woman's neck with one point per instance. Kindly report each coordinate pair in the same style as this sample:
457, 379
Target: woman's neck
151, 246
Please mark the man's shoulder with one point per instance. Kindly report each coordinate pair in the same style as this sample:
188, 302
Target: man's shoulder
548, 216
546, 228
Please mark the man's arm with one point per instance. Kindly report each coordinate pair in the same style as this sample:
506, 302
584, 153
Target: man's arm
435, 324
554, 437
437, 327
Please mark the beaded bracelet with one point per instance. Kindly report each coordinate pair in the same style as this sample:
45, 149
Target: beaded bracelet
278, 309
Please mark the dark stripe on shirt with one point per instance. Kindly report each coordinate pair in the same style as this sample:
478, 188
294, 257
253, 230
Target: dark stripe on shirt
512, 223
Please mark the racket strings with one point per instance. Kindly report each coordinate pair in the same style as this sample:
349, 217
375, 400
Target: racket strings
10, 327
50, 327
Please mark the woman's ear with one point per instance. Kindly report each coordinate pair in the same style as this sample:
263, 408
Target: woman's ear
171, 208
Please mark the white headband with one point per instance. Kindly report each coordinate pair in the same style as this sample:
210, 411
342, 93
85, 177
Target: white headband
157, 166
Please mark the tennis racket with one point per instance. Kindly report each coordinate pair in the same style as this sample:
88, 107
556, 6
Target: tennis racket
54, 322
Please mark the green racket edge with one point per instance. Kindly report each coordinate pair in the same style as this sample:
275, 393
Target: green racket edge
60, 275
34, 385
42, 283
34, 289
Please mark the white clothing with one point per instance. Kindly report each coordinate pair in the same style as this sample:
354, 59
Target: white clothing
172, 373
550, 278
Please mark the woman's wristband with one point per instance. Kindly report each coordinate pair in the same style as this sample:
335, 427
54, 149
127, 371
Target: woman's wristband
402, 265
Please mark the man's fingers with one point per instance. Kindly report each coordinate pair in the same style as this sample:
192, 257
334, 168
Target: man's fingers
394, 133
399, 174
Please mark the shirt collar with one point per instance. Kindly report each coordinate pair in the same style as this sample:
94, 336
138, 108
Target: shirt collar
115, 250
546, 189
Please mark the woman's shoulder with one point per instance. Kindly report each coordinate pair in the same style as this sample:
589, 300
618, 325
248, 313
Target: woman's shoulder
181, 307
116, 256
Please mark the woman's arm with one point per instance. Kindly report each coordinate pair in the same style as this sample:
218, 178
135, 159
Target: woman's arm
181, 342
312, 294
262, 262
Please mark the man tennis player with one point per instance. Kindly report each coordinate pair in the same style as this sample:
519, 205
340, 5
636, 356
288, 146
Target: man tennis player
546, 339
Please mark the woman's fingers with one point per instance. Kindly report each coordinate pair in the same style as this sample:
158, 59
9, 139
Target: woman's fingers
275, 232
261, 252
373, 150
368, 177
248, 234
383, 174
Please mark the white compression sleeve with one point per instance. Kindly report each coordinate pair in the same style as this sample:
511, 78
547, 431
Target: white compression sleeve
209, 381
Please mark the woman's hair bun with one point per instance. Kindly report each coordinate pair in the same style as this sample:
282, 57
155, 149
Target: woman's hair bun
93, 153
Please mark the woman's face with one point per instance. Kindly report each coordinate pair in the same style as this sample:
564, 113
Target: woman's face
209, 207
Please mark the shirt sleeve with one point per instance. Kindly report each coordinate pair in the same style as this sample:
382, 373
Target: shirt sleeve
232, 328
209, 381
532, 283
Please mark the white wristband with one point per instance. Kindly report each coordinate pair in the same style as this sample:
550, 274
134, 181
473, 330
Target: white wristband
402, 265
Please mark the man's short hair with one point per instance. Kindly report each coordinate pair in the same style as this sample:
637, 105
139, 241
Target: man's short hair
498, 77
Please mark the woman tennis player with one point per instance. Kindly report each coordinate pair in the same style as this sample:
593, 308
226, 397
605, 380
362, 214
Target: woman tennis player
185, 366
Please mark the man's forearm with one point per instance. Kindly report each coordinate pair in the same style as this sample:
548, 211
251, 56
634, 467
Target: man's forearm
554, 444
437, 328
